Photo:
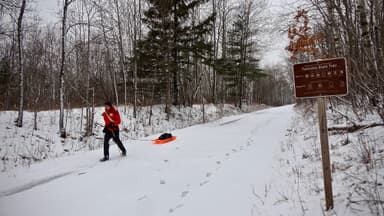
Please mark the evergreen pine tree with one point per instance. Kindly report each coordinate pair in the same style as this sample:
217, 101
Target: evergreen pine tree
171, 42
240, 64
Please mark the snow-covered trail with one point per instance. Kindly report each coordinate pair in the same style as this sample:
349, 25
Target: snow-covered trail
219, 168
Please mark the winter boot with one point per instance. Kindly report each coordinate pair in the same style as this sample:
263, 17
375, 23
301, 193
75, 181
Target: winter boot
105, 158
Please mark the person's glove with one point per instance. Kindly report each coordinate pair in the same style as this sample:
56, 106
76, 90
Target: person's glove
112, 126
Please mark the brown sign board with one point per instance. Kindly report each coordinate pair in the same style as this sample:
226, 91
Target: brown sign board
321, 78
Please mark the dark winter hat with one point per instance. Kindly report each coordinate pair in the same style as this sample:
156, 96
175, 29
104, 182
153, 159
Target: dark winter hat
108, 103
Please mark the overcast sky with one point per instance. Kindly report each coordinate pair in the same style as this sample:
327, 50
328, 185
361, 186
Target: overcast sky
275, 43
47, 10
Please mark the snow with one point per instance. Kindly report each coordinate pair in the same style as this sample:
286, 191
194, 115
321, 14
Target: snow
296, 186
263, 163
210, 169
25, 146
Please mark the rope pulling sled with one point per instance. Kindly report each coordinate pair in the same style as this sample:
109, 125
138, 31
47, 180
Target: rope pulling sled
162, 139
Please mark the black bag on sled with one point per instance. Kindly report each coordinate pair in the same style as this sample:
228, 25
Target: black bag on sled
165, 136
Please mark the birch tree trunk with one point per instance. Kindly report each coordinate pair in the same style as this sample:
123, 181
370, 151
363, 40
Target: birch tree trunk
331, 24
365, 34
62, 67
174, 66
108, 56
20, 63
89, 113
135, 58
121, 53
215, 50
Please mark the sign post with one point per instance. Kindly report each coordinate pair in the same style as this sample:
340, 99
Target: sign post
319, 79
325, 152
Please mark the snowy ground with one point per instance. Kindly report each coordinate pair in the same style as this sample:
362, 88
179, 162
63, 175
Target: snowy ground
357, 162
211, 169
263, 163
25, 146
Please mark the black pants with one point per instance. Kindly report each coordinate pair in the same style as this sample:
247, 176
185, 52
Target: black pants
115, 136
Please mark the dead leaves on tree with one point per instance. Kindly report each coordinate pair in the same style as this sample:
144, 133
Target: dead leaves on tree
301, 41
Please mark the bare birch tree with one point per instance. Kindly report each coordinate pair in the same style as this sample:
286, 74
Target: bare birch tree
62, 66
20, 62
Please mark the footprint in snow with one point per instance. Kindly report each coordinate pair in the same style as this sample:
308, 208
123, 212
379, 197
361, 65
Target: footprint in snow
203, 183
218, 165
142, 198
184, 194
173, 209
208, 174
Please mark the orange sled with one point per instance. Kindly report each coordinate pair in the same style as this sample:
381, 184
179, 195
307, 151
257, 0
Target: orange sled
163, 141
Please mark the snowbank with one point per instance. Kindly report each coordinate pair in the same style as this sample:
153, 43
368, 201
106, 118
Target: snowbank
357, 161
24, 146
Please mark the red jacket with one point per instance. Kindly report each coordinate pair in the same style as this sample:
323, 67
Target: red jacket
115, 116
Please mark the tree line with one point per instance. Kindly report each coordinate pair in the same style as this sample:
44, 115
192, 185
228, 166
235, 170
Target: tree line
139, 52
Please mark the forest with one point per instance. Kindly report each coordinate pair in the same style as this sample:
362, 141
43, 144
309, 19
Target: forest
180, 53
218, 77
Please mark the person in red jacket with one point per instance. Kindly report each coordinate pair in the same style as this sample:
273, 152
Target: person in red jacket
111, 129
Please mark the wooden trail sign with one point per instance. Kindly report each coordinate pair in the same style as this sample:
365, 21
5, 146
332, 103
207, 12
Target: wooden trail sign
319, 79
